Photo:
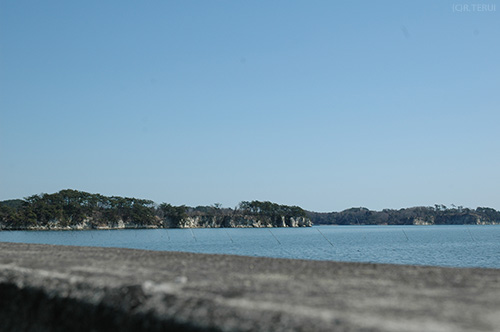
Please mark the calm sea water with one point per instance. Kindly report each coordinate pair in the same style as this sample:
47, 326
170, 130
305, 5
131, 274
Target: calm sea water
458, 246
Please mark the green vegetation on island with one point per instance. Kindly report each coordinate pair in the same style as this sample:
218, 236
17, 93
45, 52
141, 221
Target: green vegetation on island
421, 215
72, 209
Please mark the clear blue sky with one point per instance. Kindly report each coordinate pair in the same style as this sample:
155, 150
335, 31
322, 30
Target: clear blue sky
322, 104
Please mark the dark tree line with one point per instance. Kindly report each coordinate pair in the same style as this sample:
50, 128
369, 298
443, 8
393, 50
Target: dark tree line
438, 215
72, 207
270, 209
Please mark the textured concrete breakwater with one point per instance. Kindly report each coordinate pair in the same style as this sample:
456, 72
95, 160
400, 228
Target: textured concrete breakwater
64, 288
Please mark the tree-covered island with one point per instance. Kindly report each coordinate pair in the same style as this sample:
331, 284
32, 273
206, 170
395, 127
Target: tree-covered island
72, 209
420, 215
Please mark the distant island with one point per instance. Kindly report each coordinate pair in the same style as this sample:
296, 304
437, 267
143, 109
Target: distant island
420, 215
72, 209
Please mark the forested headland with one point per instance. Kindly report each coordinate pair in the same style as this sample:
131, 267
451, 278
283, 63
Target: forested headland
420, 215
72, 209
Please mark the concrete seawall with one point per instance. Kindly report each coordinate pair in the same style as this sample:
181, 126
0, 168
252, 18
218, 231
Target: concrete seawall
63, 288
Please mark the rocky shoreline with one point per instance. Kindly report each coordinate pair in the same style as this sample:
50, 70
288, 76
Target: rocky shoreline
77, 210
189, 222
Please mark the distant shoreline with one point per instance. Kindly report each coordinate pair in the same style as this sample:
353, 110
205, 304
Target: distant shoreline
104, 228
74, 210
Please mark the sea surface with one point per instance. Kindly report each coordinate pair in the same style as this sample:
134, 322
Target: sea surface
455, 246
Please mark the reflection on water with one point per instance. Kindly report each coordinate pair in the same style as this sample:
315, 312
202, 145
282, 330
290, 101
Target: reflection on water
460, 246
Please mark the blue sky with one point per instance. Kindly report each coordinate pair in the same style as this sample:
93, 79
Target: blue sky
322, 104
